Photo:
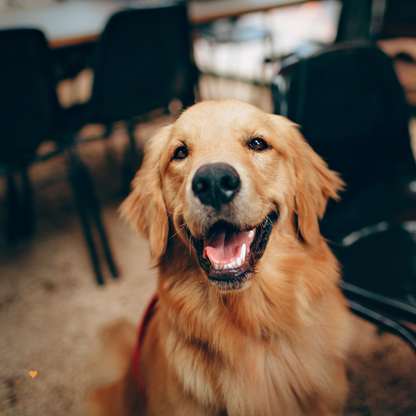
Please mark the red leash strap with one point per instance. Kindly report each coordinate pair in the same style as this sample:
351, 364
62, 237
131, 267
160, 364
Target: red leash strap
137, 350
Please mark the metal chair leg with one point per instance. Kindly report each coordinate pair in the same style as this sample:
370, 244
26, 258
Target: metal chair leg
88, 204
397, 328
132, 160
13, 208
27, 214
96, 213
110, 154
77, 187
389, 314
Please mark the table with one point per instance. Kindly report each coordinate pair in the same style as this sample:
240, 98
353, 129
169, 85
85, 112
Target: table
205, 11
75, 22
64, 24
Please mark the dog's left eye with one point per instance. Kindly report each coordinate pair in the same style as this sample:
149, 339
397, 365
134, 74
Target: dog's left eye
180, 153
258, 144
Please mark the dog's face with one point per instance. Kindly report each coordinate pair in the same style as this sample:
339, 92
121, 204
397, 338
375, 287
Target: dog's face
223, 177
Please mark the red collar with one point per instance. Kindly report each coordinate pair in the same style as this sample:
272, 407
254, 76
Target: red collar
137, 350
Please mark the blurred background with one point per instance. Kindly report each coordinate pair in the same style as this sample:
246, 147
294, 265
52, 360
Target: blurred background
85, 83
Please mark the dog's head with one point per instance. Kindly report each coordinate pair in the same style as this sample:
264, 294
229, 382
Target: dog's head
223, 177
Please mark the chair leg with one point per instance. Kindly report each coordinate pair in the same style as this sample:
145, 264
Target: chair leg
79, 192
96, 213
27, 214
88, 203
132, 160
109, 151
13, 208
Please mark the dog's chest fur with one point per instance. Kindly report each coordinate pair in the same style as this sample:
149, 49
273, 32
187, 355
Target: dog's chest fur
256, 378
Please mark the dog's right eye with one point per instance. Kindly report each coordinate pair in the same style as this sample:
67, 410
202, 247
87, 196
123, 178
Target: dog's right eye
180, 153
258, 144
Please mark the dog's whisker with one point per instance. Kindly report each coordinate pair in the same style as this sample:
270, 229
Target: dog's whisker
182, 227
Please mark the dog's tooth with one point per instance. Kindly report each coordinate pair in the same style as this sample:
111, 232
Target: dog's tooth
243, 252
239, 262
232, 265
215, 266
251, 233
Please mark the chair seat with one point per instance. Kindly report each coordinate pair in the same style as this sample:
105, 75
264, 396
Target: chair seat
376, 256
373, 234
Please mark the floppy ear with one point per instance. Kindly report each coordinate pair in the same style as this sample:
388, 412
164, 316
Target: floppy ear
315, 185
145, 207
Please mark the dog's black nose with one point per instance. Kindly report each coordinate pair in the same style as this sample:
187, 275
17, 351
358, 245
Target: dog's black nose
216, 184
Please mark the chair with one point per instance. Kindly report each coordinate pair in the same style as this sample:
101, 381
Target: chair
351, 109
141, 62
30, 114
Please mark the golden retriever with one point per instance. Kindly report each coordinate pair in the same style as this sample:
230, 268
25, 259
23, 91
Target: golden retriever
249, 319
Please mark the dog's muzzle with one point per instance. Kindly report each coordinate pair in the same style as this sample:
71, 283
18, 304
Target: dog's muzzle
227, 253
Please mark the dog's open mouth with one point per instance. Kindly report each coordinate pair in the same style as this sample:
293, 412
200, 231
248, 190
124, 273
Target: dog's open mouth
228, 255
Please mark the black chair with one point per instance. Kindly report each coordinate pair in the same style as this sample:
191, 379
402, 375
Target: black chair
141, 62
30, 114
351, 109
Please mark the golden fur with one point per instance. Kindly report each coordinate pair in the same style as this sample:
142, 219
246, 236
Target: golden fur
275, 346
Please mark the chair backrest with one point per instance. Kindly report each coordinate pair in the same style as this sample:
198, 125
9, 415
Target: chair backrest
354, 21
142, 61
399, 19
28, 100
352, 110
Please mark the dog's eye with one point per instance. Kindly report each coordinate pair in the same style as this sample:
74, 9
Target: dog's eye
180, 153
258, 144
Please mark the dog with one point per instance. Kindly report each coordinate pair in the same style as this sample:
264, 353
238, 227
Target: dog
248, 319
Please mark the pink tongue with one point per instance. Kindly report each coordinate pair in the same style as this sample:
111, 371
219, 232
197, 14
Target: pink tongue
225, 247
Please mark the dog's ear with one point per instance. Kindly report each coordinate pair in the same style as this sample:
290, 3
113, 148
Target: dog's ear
145, 207
315, 185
